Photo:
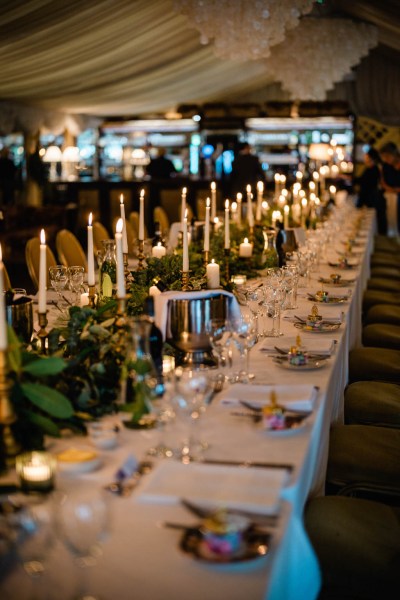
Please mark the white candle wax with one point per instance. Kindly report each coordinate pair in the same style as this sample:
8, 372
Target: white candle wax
141, 216
183, 204
36, 472
3, 321
212, 275
42, 274
84, 299
286, 210
154, 291
245, 249
158, 251
250, 216
213, 200
120, 260
90, 252
206, 246
227, 244
124, 235
260, 191
185, 257
239, 203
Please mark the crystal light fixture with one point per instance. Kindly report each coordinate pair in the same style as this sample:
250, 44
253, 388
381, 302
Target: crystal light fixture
243, 29
318, 54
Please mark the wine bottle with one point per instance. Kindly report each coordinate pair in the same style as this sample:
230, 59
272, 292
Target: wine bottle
155, 342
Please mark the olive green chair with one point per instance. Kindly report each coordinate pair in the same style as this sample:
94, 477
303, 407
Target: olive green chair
385, 244
385, 272
357, 543
372, 403
383, 313
386, 259
364, 460
381, 335
374, 364
383, 283
372, 297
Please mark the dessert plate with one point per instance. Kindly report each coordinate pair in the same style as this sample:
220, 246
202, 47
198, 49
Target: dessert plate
311, 365
78, 460
324, 327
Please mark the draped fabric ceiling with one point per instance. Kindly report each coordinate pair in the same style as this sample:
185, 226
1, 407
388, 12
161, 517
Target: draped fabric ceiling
125, 57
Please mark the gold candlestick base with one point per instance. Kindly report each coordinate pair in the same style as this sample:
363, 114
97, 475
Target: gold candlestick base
141, 256
92, 296
8, 444
185, 280
121, 321
43, 333
227, 254
206, 255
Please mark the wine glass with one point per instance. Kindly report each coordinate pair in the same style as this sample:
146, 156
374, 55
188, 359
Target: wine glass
274, 300
76, 275
193, 389
82, 521
244, 335
58, 279
163, 409
220, 333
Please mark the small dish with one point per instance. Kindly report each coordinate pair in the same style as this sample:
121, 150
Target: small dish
78, 460
293, 424
311, 365
342, 265
332, 300
255, 545
322, 328
333, 283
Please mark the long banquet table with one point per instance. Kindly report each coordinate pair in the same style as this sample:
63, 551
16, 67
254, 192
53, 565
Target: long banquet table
142, 559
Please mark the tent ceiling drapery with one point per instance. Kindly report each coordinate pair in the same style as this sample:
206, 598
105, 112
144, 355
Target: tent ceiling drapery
124, 57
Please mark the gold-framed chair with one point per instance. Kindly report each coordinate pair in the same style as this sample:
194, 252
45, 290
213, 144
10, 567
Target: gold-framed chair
6, 279
69, 249
134, 221
32, 257
100, 233
160, 216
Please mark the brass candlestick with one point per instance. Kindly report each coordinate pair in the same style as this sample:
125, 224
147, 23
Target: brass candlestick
185, 280
92, 295
122, 322
227, 254
206, 255
251, 234
126, 270
8, 444
43, 333
141, 255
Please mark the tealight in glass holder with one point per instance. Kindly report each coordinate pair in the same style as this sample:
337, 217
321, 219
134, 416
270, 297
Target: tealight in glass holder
36, 471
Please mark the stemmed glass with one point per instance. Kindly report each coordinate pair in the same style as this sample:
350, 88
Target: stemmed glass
244, 335
219, 332
76, 275
193, 389
58, 279
82, 520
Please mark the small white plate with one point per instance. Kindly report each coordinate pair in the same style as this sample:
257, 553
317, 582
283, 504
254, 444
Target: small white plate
310, 366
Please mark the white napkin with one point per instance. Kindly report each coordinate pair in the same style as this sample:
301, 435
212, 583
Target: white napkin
322, 345
295, 397
330, 314
246, 488
161, 304
337, 292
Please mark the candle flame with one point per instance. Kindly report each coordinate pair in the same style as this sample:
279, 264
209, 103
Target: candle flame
260, 186
120, 226
208, 202
184, 191
90, 218
286, 209
304, 202
234, 206
159, 244
212, 261
248, 188
42, 237
121, 199
239, 197
277, 177
213, 186
142, 193
227, 204
246, 240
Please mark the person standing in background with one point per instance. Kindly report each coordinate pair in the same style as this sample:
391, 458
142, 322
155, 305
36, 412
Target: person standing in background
390, 181
369, 181
246, 169
161, 167
8, 172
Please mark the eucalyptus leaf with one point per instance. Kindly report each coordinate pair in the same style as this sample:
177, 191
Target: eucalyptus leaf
48, 400
43, 422
108, 322
45, 366
99, 330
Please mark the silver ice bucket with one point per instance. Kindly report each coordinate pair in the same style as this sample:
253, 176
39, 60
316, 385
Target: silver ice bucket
186, 331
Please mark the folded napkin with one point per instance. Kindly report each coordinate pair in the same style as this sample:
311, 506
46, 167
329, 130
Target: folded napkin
328, 314
295, 397
243, 488
322, 345
161, 304
336, 292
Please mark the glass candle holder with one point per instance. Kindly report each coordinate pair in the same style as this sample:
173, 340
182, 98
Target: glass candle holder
36, 471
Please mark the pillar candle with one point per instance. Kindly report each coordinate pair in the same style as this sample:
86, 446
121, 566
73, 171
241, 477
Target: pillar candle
286, 210
212, 275
3, 321
213, 200
183, 204
277, 179
260, 191
90, 252
185, 257
42, 273
227, 244
239, 203
124, 235
206, 246
250, 216
141, 216
158, 251
245, 249
120, 259
303, 211
154, 291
